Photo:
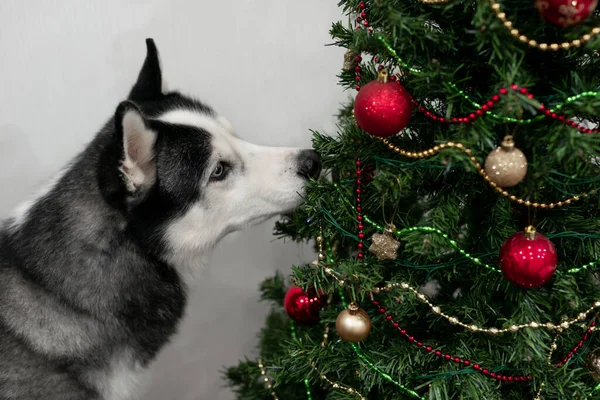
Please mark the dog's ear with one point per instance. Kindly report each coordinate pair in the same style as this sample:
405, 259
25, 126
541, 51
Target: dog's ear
138, 161
149, 85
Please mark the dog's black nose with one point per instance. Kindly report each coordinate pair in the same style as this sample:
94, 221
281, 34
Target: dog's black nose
309, 164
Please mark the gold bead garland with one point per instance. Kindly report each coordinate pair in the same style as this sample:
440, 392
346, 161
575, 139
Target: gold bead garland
534, 43
335, 385
341, 386
329, 272
553, 347
320, 243
266, 379
329, 298
523, 38
325, 336
469, 152
321, 256
538, 395
492, 331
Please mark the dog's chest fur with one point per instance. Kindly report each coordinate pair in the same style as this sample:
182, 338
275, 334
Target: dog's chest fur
123, 379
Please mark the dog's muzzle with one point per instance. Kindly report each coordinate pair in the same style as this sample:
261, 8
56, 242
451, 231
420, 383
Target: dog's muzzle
309, 164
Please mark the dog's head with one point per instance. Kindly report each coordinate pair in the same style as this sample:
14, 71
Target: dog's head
187, 179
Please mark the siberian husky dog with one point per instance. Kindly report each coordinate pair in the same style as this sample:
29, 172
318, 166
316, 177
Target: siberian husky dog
94, 270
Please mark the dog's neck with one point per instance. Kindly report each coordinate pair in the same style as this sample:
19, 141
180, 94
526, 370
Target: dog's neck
189, 266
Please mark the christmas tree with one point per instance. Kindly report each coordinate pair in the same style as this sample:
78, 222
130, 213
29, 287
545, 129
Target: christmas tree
457, 222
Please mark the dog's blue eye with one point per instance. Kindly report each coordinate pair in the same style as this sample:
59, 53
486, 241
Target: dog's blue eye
220, 172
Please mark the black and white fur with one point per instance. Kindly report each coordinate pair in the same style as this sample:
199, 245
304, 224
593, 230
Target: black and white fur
94, 270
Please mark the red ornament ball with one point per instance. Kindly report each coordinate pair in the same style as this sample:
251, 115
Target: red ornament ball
565, 13
382, 108
301, 307
528, 259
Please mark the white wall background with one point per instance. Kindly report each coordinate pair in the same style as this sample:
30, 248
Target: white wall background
66, 64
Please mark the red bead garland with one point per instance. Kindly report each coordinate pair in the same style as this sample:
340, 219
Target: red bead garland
485, 108
358, 70
359, 217
449, 357
578, 346
361, 21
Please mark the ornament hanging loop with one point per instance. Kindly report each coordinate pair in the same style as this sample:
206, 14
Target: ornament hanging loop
389, 230
530, 232
383, 76
508, 144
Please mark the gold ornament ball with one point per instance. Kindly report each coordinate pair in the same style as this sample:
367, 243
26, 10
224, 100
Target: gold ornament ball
506, 166
353, 324
593, 364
